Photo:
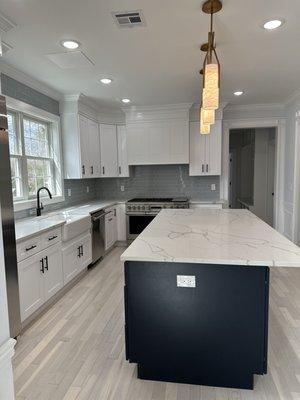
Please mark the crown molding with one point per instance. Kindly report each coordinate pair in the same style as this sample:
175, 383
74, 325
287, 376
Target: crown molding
158, 108
29, 81
255, 107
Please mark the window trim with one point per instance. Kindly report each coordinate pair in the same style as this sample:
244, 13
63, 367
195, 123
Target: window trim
55, 134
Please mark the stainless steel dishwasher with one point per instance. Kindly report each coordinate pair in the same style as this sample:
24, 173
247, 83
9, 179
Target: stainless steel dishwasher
98, 235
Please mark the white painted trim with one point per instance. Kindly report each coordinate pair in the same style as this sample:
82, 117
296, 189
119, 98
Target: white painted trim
279, 124
7, 350
29, 81
296, 194
22, 107
157, 108
255, 107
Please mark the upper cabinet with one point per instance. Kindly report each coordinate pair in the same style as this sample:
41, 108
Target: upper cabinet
158, 135
123, 168
205, 150
91, 150
109, 151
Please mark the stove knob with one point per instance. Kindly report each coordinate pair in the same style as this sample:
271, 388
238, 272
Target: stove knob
143, 207
138, 207
128, 207
133, 207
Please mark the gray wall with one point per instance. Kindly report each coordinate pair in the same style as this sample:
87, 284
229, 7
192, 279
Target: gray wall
12, 88
159, 181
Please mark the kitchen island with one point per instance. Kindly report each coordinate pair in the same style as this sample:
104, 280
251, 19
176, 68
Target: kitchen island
196, 296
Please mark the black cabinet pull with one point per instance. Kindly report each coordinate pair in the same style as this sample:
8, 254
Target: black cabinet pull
79, 252
92, 170
83, 170
120, 170
46, 262
52, 238
42, 267
202, 167
206, 167
30, 248
103, 170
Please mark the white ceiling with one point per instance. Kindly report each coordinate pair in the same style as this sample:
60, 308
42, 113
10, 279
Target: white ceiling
159, 63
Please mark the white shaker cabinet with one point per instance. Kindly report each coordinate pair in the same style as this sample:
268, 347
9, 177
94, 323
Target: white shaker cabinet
111, 233
123, 169
77, 255
109, 151
205, 150
40, 277
121, 222
81, 146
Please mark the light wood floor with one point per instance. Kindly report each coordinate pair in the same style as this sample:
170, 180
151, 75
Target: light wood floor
76, 349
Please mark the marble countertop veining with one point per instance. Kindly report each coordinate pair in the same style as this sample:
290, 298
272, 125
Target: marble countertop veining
28, 227
231, 237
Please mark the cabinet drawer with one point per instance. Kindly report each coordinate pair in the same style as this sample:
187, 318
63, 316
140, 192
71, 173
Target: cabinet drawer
51, 237
38, 243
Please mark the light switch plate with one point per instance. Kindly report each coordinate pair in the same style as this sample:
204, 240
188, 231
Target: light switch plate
186, 281
88, 189
69, 192
122, 188
213, 187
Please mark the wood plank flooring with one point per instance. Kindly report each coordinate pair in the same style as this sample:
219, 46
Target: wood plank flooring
75, 351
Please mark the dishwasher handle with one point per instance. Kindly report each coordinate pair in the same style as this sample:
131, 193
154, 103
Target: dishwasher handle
94, 219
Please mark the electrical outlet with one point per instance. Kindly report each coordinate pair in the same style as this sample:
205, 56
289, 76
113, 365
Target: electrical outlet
213, 187
186, 281
122, 188
88, 189
69, 192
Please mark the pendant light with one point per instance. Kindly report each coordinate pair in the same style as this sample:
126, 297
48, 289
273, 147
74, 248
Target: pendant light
211, 71
204, 127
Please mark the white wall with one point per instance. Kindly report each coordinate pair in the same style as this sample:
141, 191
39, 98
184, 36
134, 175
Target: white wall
6, 344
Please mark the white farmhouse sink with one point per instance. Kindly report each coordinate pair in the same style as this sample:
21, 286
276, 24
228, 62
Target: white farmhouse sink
74, 224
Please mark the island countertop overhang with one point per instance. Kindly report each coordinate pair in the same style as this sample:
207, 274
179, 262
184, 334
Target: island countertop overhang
210, 236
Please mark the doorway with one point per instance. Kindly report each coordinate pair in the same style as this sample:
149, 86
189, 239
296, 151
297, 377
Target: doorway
252, 161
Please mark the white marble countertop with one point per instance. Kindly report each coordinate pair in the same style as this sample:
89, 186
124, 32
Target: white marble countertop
28, 227
232, 237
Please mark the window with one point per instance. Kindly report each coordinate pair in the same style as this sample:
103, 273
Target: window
33, 159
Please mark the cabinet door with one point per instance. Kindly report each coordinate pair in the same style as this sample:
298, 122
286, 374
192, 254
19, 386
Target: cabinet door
109, 151
31, 287
110, 229
214, 150
137, 144
84, 146
86, 251
53, 276
197, 150
121, 223
123, 168
94, 149
71, 265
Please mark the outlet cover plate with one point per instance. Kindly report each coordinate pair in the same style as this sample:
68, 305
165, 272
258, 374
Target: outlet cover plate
188, 281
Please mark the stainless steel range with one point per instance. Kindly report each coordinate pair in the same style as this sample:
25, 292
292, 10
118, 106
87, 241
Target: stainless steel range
141, 211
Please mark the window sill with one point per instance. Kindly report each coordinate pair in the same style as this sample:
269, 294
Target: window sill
28, 204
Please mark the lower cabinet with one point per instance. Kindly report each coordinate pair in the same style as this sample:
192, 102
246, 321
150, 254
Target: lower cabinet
111, 232
77, 255
40, 277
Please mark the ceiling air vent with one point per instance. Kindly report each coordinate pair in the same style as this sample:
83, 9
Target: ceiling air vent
129, 19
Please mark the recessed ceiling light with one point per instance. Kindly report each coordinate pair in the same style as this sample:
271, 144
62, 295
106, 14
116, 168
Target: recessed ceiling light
126, 101
70, 44
106, 81
273, 24
238, 93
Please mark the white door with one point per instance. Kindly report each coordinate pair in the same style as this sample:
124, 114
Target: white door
71, 264
84, 146
197, 150
110, 229
53, 276
86, 251
123, 168
214, 149
31, 285
109, 151
94, 149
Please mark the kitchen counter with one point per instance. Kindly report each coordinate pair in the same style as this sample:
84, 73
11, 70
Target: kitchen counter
213, 237
27, 227
197, 296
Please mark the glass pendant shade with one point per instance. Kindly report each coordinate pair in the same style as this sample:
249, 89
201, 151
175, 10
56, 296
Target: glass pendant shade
208, 116
210, 100
204, 128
